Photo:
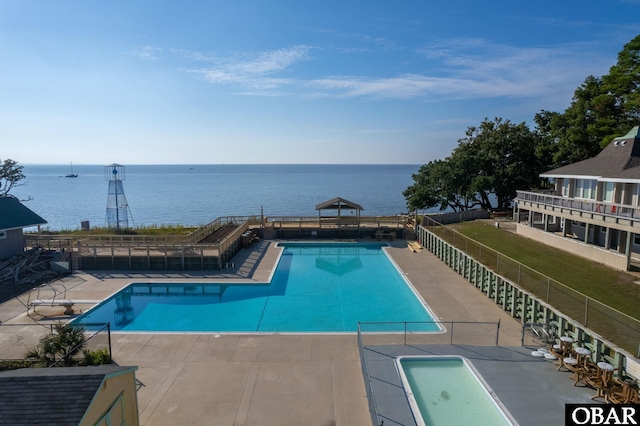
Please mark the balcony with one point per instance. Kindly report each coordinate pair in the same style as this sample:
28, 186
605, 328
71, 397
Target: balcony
619, 216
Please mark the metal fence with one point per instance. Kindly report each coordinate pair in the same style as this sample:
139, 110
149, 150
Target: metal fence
16, 340
618, 327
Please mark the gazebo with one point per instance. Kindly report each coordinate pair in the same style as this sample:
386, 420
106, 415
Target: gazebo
338, 206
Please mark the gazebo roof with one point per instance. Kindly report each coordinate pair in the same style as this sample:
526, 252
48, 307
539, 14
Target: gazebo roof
338, 204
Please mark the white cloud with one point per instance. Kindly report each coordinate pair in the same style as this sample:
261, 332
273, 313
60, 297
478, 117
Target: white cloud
146, 52
459, 68
255, 71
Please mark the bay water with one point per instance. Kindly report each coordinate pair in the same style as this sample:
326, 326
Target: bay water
194, 195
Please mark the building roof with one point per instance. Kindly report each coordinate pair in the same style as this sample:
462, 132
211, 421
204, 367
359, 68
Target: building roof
338, 203
619, 161
51, 396
16, 216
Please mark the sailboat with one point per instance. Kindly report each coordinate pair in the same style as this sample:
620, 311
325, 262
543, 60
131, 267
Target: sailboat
71, 174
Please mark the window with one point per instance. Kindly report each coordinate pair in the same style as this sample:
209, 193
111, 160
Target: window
608, 192
565, 187
3, 235
585, 188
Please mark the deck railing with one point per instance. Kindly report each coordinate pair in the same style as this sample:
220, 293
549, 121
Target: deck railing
189, 252
591, 206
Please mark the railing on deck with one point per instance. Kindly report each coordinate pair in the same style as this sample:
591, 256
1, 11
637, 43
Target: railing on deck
208, 229
318, 222
590, 206
193, 252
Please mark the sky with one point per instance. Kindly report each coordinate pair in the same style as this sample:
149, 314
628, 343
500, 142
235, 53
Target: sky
287, 81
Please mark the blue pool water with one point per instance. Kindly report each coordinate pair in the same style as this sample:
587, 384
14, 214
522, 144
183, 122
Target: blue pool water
446, 391
316, 287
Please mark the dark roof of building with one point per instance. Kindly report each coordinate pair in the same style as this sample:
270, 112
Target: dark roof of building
51, 396
338, 203
619, 161
15, 215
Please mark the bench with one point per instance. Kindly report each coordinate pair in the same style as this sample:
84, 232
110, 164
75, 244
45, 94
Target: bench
380, 235
415, 247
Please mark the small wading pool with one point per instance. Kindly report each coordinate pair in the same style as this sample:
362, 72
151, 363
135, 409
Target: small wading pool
448, 391
316, 287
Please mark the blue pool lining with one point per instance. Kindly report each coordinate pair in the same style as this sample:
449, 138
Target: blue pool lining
280, 246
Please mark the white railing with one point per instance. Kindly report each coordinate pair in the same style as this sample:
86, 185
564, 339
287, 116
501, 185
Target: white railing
591, 206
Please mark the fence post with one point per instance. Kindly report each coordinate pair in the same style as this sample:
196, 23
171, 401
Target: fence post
405, 333
586, 310
109, 340
451, 336
548, 289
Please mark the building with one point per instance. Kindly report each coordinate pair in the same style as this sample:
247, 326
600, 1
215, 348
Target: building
14, 217
594, 208
104, 395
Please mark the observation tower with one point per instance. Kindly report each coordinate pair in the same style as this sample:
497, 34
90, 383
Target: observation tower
117, 206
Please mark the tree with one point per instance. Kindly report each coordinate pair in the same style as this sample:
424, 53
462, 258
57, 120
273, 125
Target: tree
546, 143
442, 184
10, 175
505, 157
585, 124
602, 109
484, 170
622, 86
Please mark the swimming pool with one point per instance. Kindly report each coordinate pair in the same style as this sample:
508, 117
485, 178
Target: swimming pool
447, 391
316, 287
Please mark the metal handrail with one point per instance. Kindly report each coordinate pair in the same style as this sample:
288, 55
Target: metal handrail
366, 368
51, 286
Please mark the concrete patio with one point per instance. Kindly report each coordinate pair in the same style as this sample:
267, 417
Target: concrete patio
278, 379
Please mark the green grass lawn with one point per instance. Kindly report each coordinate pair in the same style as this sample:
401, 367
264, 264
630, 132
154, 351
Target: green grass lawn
616, 289
143, 230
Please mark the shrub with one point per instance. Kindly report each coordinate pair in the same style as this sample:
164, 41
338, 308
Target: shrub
97, 357
61, 345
